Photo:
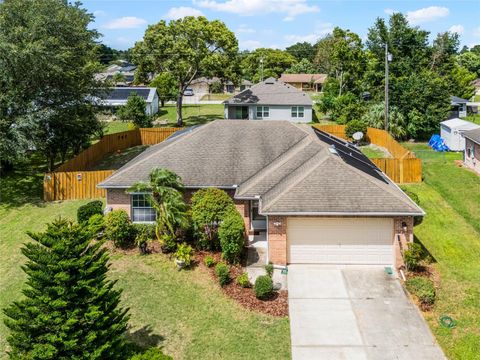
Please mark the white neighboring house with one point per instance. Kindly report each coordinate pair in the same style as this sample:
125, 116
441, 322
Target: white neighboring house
451, 132
271, 99
118, 96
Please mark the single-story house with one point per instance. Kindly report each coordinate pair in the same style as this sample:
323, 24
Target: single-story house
305, 82
118, 96
451, 132
471, 155
307, 195
271, 99
461, 107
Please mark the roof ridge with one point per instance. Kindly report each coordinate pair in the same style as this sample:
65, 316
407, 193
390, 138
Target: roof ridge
292, 179
186, 136
275, 164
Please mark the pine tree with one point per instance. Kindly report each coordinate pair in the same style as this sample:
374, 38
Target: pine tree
70, 309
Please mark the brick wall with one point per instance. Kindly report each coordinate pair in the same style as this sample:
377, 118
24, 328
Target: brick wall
472, 161
118, 199
398, 226
277, 240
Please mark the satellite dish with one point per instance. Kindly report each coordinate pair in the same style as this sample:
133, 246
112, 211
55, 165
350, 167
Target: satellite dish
357, 136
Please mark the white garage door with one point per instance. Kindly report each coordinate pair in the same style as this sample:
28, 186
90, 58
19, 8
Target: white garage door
340, 240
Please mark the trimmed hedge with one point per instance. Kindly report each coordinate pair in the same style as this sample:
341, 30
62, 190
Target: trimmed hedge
412, 256
263, 287
209, 207
243, 281
232, 236
86, 211
119, 229
223, 273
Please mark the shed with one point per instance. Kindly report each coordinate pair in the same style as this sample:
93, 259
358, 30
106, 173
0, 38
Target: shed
451, 132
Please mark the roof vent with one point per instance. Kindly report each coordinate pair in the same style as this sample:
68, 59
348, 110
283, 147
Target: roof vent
333, 150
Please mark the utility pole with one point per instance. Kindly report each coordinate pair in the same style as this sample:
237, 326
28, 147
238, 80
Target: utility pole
261, 68
386, 86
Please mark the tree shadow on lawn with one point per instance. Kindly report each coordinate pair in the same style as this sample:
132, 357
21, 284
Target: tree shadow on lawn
144, 338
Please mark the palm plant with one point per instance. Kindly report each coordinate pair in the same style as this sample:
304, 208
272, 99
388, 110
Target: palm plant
165, 193
375, 117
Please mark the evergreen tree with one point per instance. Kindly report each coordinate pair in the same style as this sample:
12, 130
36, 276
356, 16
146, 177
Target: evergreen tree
135, 111
70, 309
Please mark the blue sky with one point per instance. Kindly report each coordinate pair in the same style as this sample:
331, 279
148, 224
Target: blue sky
280, 23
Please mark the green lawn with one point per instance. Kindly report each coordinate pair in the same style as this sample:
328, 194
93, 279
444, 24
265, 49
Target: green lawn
185, 312
192, 114
112, 127
450, 195
373, 152
216, 97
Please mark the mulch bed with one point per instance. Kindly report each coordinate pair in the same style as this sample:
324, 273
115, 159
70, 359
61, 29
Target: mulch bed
277, 305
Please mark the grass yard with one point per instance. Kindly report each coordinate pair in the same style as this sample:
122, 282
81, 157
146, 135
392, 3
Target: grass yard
216, 97
184, 312
192, 114
374, 152
450, 195
116, 126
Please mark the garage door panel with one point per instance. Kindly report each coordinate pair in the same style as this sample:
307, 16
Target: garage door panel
340, 240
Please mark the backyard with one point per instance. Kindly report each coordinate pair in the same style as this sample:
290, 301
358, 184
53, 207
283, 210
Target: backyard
186, 313
451, 233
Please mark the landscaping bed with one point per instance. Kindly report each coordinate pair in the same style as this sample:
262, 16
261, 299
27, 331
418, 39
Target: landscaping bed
276, 305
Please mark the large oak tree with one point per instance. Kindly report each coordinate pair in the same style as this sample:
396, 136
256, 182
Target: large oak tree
186, 48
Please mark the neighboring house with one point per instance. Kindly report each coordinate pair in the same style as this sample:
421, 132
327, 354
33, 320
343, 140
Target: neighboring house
118, 96
471, 156
461, 107
305, 82
202, 85
305, 196
124, 69
451, 132
270, 100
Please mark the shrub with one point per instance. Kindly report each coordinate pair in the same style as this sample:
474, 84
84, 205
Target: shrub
355, 126
84, 212
135, 111
208, 209
96, 224
223, 273
216, 87
269, 269
144, 233
151, 354
232, 236
263, 287
184, 253
118, 228
209, 261
412, 256
423, 289
243, 281
169, 243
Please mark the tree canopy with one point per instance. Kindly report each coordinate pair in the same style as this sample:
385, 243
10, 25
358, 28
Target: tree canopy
302, 50
185, 48
264, 63
48, 58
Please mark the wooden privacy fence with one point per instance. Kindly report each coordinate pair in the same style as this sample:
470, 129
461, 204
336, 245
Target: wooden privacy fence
403, 168
72, 181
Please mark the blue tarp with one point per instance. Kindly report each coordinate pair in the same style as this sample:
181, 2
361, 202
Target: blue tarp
437, 143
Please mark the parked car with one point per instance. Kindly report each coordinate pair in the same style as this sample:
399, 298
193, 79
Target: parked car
188, 92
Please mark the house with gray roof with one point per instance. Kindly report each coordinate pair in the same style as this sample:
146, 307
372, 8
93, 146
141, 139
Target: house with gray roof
115, 97
471, 156
305, 196
271, 99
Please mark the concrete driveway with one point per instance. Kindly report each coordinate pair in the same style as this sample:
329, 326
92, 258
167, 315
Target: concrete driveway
354, 313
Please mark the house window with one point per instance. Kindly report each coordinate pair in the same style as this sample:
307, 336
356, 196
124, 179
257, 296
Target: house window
298, 111
263, 112
142, 210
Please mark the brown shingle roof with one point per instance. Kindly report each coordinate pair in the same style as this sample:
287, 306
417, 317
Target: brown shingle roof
473, 135
287, 166
304, 78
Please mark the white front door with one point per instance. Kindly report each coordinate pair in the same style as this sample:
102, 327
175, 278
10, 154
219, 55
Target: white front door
316, 240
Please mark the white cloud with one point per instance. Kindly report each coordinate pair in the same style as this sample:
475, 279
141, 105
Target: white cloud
459, 29
291, 8
249, 44
127, 22
389, 11
321, 30
244, 29
427, 14
182, 11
